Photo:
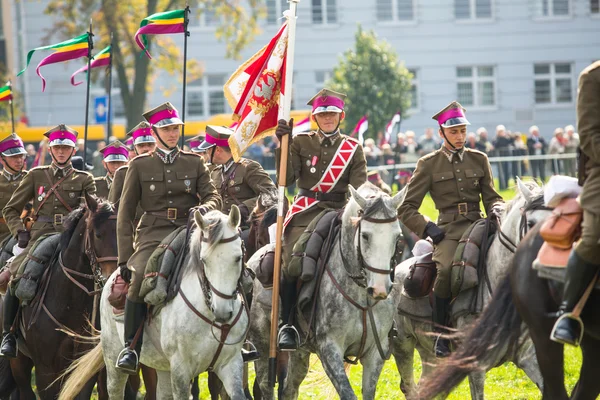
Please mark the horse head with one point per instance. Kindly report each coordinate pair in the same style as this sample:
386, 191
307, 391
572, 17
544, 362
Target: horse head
216, 250
524, 211
101, 240
370, 223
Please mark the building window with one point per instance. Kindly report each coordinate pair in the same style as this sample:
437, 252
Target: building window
321, 79
275, 9
324, 12
395, 10
472, 9
203, 17
595, 6
553, 8
476, 86
553, 83
205, 96
414, 89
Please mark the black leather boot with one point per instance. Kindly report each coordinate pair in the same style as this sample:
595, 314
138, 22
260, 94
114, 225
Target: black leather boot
129, 358
8, 348
440, 322
568, 329
288, 338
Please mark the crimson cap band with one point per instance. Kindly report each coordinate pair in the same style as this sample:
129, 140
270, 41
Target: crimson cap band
12, 146
452, 115
327, 101
163, 115
141, 133
195, 142
62, 135
216, 136
115, 151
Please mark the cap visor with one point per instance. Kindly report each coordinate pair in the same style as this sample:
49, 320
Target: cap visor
333, 109
455, 122
62, 142
197, 149
115, 157
205, 146
15, 151
168, 122
144, 139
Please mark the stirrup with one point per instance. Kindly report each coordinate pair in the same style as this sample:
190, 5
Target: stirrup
572, 318
296, 334
251, 352
137, 362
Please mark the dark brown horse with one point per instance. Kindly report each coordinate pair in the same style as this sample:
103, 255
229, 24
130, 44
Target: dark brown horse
525, 297
63, 306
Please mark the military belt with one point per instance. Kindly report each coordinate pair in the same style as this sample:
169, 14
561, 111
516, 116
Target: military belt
56, 219
335, 197
461, 208
170, 213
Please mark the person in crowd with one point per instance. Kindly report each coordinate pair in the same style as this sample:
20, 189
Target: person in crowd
536, 146
400, 149
571, 146
520, 149
30, 157
412, 147
373, 154
98, 168
503, 146
556, 147
428, 143
471, 141
484, 143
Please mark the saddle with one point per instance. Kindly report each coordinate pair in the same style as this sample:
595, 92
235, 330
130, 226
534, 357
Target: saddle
44, 252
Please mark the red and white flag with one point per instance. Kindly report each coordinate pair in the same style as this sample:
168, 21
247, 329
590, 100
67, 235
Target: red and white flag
256, 93
302, 126
360, 129
393, 127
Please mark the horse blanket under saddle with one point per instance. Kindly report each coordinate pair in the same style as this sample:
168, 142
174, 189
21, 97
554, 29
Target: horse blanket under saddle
43, 252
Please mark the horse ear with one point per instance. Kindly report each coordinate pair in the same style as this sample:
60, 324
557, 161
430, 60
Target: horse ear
234, 217
524, 190
398, 199
362, 203
91, 202
199, 220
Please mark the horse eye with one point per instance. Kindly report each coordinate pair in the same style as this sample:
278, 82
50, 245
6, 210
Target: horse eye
238, 259
365, 237
97, 235
531, 224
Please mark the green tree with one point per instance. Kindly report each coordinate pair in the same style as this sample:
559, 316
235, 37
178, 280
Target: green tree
375, 80
237, 27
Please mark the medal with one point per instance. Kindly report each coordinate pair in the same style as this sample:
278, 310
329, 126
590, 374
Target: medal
41, 193
187, 183
314, 161
152, 188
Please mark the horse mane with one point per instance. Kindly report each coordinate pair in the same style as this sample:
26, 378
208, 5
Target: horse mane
269, 218
103, 213
376, 201
215, 233
70, 223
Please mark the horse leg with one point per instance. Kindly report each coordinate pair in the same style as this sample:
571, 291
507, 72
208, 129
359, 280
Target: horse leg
588, 386
403, 350
265, 391
195, 389
163, 388
476, 384
115, 383
231, 375
21, 368
215, 386
527, 361
372, 365
330, 355
150, 382
298, 364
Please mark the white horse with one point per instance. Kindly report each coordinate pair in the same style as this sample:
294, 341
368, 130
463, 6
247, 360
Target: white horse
359, 264
202, 328
521, 213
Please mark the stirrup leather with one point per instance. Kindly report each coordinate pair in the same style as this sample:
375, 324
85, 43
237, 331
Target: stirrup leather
296, 334
573, 318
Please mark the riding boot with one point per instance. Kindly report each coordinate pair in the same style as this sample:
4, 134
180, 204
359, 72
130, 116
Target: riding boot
568, 329
128, 360
288, 338
8, 348
440, 322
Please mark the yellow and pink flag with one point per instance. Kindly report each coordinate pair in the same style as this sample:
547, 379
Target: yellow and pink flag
101, 59
160, 24
64, 51
256, 93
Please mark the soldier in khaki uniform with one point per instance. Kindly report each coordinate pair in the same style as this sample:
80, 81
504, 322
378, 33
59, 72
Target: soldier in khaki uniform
115, 155
238, 183
310, 156
55, 190
166, 183
457, 178
12, 158
583, 263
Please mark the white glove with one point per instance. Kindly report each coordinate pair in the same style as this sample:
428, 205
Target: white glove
17, 250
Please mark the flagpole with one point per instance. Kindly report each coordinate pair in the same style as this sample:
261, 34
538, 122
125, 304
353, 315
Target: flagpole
287, 105
87, 95
109, 119
186, 33
12, 110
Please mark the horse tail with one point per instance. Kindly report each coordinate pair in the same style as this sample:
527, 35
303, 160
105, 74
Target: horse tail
80, 372
498, 327
7, 381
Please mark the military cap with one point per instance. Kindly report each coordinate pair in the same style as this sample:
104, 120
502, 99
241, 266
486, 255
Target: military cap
141, 133
327, 101
216, 136
62, 135
163, 115
12, 146
115, 151
195, 142
77, 163
373, 175
129, 143
452, 115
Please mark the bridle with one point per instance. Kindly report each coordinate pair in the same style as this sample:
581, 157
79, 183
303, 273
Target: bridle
536, 205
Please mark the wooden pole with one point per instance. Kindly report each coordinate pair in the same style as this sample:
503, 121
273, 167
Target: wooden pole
289, 73
110, 110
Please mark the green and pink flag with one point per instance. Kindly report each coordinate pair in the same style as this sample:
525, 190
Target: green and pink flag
64, 51
160, 24
101, 59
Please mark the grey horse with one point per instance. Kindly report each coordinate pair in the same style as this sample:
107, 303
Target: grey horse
369, 226
416, 333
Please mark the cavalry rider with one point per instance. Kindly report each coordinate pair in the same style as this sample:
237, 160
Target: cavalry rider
166, 183
12, 158
55, 190
239, 182
583, 262
310, 160
115, 155
457, 178
195, 143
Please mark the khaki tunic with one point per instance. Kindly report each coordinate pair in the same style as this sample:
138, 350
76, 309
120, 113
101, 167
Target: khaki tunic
241, 184
450, 181
156, 187
7, 188
300, 159
71, 190
103, 184
116, 190
588, 126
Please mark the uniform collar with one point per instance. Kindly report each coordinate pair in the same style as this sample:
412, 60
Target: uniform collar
109, 180
56, 169
11, 177
228, 165
167, 158
449, 153
329, 138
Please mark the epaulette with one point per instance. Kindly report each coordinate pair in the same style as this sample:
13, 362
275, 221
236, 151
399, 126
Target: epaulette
40, 167
474, 151
245, 161
351, 139
122, 167
591, 67
430, 155
99, 178
189, 153
141, 156
309, 133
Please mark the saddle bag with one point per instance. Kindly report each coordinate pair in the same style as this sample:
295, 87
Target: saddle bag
264, 272
563, 227
118, 294
33, 267
421, 276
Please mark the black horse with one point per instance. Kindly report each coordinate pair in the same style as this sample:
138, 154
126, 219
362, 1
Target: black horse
524, 297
